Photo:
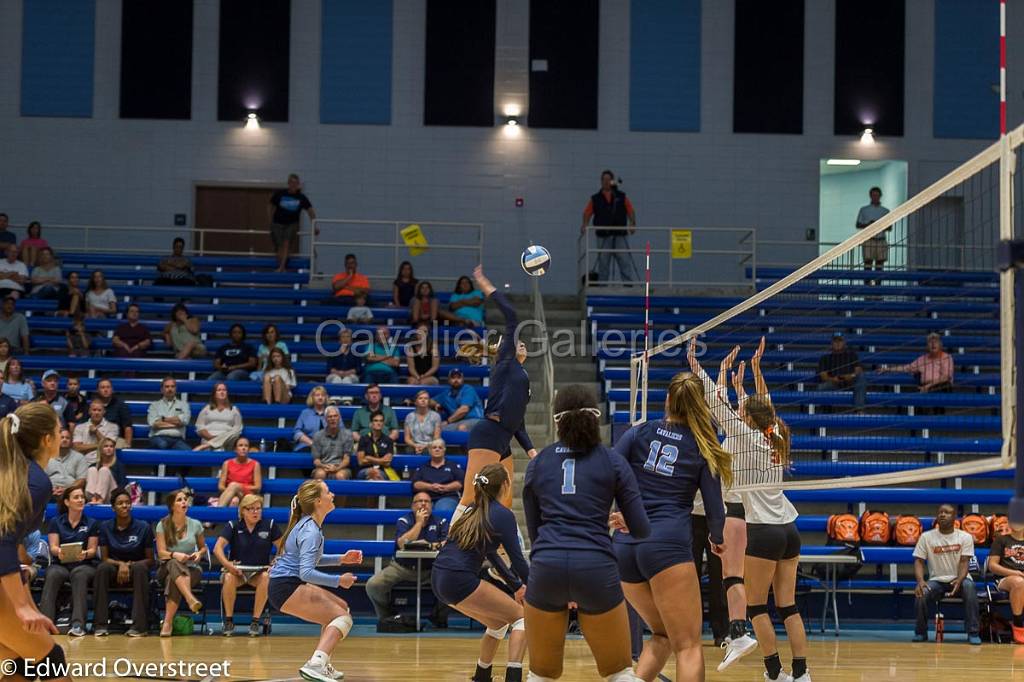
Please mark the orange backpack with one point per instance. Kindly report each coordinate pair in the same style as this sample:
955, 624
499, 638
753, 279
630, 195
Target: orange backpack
998, 524
843, 528
908, 530
977, 526
874, 528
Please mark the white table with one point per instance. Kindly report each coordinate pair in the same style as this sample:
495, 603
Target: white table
832, 563
419, 555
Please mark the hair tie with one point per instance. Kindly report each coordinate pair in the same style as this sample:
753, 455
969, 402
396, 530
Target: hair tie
295, 502
589, 410
481, 479
772, 428
15, 423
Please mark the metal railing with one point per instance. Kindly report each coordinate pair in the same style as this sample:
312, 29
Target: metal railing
147, 239
547, 358
903, 255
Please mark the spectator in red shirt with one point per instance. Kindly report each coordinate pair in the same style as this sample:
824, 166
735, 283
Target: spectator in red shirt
350, 282
131, 338
612, 208
934, 369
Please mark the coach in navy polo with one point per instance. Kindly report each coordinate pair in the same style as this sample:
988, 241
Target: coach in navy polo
126, 548
440, 479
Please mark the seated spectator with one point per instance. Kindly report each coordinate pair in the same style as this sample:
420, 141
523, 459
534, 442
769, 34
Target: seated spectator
78, 339
182, 334
32, 245
252, 539
332, 448
14, 327
1006, 563
219, 423
934, 369
311, 420
404, 286
68, 468
344, 367
74, 540
419, 524
7, 403
440, 479
840, 370
374, 405
100, 300
180, 546
6, 236
460, 405
70, 299
945, 551
175, 270
234, 360
350, 282
279, 379
13, 273
359, 312
78, 407
131, 338
126, 551
117, 411
467, 303
375, 453
16, 385
271, 339
422, 357
168, 418
423, 426
425, 306
105, 475
87, 436
5, 353
239, 476
51, 393
382, 360
46, 280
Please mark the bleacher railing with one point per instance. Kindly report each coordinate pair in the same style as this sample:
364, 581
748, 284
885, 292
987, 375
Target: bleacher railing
904, 255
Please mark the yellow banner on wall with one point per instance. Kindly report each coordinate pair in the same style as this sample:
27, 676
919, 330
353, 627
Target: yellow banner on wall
682, 243
414, 238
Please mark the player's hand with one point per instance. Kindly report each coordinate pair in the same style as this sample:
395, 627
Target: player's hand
346, 580
35, 622
737, 377
691, 354
617, 522
520, 594
717, 550
729, 359
353, 556
755, 361
531, 453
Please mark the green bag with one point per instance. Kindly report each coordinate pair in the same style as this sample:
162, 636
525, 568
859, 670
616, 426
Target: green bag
182, 625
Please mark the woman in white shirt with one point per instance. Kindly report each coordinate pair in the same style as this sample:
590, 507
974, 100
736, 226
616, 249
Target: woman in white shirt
100, 300
220, 423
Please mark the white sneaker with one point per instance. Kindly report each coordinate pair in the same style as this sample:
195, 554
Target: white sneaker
735, 649
317, 673
783, 677
806, 677
333, 672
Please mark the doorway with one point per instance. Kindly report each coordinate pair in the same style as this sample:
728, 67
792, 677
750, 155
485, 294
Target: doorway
221, 207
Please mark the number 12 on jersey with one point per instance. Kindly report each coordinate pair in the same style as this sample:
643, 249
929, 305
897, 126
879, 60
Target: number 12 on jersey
569, 476
661, 458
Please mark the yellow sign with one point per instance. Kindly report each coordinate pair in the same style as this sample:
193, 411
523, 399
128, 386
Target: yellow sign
414, 238
682, 243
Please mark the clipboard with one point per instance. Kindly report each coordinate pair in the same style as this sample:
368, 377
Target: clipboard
71, 552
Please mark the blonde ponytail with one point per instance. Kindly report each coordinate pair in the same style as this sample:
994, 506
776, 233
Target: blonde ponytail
21, 436
686, 404
302, 504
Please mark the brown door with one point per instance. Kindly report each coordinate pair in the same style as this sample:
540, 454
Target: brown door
233, 208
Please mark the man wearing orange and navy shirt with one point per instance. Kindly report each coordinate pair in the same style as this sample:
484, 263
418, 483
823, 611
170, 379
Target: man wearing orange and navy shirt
350, 282
611, 207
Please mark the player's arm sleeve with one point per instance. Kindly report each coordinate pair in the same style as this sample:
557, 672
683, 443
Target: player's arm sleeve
531, 506
510, 540
9, 562
624, 445
714, 506
627, 496
524, 438
306, 544
508, 343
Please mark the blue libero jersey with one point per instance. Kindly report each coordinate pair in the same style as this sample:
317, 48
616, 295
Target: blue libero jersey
567, 496
670, 469
503, 533
508, 392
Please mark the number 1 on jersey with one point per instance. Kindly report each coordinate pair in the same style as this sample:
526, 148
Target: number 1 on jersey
569, 476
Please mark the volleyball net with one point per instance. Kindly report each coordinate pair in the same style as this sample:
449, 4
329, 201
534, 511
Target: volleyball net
923, 274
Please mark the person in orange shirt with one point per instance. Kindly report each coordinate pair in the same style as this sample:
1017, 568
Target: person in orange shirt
350, 282
611, 207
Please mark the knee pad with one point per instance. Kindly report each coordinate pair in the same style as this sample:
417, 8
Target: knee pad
342, 624
519, 624
53, 666
731, 582
787, 611
755, 610
498, 633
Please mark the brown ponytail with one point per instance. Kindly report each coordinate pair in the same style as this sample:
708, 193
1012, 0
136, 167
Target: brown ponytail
473, 529
761, 411
35, 420
686, 404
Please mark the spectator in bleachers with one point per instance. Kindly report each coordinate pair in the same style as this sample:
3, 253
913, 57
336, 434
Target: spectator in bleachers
840, 370
219, 423
14, 327
425, 306
467, 303
374, 405
945, 552
422, 357
46, 277
285, 216
51, 393
77, 338
117, 411
182, 334
13, 273
332, 448
6, 236
5, 353
375, 453
100, 300
239, 476
78, 407
382, 360
1006, 562
404, 286
440, 479
612, 208
87, 436
422, 426
131, 338
168, 418
359, 312
312, 419
418, 525
126, 549
459, 405
176, 270
16, 384
105, 475
876, 249
351, 281
69, 299
934, 369
345, 366
74, 542
234, 360
271, 339
7, 403
68, 468
180, 546
279, 379
251, 538
32, 245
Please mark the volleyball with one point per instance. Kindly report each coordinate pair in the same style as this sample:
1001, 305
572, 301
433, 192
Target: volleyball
535, 260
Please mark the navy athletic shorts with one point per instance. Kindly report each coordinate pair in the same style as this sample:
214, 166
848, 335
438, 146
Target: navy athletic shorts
641, 561
490, 435
451, 587
589, 578
280, 589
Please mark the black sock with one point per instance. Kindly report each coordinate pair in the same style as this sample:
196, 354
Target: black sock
514, 674
228, 620
482, 674
737, 628
799, 667
773, 665
1018, 620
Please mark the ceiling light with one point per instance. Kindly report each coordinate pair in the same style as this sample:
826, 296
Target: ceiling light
843, 162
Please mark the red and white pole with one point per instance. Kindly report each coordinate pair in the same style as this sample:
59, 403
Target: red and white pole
647, 303
1002, 67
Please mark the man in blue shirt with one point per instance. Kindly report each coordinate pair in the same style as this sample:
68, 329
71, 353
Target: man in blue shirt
440, 479
419, 524
460, 405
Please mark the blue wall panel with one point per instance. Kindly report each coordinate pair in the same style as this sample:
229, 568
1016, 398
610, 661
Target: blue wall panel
57, 55
966, 69
355, 63
664, 68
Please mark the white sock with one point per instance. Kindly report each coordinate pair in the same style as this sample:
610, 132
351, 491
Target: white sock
459, 511
625, 675
513, 664
319, 658
483, 665
533, 677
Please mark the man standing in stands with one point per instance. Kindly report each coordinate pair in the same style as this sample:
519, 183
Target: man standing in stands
611, 207
876, 249
288, 205
840, 370
131, 338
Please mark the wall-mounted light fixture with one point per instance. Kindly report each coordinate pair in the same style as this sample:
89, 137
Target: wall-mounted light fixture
513, 113
868, 136
842, 162
252, 121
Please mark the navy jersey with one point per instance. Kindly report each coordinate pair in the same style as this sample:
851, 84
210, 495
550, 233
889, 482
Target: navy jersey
567, 496
503, 533
508, 391
670, 469
39, 489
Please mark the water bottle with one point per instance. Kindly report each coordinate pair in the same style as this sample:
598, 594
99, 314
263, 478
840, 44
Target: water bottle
263, 444
405, 473
939, 626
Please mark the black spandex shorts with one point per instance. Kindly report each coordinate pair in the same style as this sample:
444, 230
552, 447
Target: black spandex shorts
772, 542
641, 561
735, 510
589, 578
451, 587
488, 434
280, 589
